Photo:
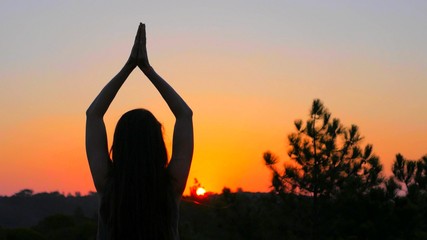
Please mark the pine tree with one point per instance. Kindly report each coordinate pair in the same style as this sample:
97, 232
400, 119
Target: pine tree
327, 161
327, 158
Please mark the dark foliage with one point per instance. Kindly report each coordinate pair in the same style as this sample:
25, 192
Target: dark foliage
25, 209
241, 215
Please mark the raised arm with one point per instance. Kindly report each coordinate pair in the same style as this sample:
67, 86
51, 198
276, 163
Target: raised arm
182, 143
96, 136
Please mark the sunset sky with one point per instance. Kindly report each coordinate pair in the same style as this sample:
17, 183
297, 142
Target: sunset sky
248, 69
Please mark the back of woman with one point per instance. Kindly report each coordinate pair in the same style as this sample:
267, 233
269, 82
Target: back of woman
139, 189
145, 227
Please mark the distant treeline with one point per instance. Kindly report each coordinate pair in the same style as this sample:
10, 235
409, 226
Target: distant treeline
239, 215
26, 209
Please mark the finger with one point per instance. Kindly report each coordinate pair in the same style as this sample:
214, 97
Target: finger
138, 34
141, 47
142, 36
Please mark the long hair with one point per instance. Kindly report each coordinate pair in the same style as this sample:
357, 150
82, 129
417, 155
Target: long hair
137, 199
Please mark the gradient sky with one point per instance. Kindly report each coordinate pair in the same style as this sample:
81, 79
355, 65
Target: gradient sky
247, 68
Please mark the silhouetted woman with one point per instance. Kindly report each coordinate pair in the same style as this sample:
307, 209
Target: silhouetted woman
139, 191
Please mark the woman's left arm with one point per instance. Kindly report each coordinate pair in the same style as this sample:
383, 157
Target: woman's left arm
183, 139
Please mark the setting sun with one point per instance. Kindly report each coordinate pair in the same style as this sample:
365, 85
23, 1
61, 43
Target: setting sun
200, 191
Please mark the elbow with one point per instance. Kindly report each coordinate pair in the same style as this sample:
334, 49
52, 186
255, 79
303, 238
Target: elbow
184, 113
90, 113
187, 113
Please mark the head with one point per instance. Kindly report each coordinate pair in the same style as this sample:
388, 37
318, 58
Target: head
136, 198
138, 143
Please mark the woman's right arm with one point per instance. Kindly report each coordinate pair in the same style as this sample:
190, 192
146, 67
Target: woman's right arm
96, 136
